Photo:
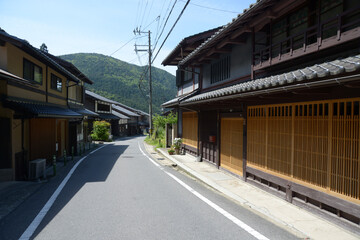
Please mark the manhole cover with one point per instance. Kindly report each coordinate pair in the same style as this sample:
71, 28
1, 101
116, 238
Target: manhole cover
127, 156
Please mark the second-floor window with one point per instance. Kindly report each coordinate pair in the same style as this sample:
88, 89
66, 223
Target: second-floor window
188, 75
103, 107
220, 70
56, 83
32, 71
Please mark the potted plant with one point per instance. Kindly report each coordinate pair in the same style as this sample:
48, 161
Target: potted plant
177, 145
171, 151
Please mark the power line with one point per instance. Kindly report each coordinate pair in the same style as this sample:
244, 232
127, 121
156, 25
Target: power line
211, 8
156, 41
148, 12
187, 3
123, 45
137, 13
163, 19
142, 19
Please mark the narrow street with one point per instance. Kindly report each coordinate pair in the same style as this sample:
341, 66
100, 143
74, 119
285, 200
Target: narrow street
118, 193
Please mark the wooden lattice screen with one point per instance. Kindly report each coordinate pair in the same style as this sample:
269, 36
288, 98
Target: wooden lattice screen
314, 142
190, 128
231, 149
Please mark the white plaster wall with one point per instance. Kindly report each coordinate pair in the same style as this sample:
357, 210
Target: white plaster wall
240, 64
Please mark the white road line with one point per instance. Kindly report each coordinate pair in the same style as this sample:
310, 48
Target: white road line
226, 214
151, 160
37, 220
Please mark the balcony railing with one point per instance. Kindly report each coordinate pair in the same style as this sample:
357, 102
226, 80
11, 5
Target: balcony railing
344, 27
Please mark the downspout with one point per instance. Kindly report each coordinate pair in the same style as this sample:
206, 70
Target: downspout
22, 145
253, 52
218, 131
46, 84
67, 93
199, 143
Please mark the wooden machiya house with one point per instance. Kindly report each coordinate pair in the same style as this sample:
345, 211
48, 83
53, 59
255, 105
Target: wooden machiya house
124, 120
35, 114
274, 98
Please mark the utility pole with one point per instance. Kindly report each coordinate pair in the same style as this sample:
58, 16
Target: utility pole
150, 87
137, 31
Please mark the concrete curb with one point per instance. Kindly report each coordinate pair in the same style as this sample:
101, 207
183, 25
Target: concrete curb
235, 197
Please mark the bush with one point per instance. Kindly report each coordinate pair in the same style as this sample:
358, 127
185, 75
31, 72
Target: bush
157, 138
100, 131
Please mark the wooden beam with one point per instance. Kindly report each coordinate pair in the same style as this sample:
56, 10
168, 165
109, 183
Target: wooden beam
208, 58
216, 50
189, 48
227, 41
239, 31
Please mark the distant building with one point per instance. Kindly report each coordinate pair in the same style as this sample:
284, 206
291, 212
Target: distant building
125, 121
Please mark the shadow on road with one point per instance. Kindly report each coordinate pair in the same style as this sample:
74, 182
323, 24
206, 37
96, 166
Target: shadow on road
95, 168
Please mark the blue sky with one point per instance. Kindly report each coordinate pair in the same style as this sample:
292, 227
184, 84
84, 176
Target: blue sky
95, 26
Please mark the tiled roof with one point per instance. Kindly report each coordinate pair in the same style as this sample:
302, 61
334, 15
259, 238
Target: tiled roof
171, 102
70, 67
85, 112
26, 45
192, 38
227, 27
132, 109
97, 96
331, 68
177, 100
108, 116
121, 116
125, 111
39, 109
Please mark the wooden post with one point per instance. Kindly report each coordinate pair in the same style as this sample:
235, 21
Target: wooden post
330, 122
217, 160
292, 138
244, 109
198, 135
289, 194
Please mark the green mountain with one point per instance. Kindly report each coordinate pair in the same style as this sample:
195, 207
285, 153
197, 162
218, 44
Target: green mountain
119, 80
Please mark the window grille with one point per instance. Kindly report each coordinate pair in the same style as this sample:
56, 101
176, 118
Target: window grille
220, 70
314, 142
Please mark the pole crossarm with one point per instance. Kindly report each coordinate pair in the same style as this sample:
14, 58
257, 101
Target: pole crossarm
137, 31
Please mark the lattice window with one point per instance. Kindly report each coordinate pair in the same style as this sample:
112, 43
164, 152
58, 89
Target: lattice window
314, 142
311, 143
345, 149
190, 128
279, 139
231, 156
220, 70
256, 128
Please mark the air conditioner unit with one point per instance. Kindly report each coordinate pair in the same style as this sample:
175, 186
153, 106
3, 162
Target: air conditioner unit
37, 169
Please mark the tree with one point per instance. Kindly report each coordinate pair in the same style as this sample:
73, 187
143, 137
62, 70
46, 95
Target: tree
44, 48
101, 131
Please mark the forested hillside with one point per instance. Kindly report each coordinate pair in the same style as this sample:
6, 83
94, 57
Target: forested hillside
119, 80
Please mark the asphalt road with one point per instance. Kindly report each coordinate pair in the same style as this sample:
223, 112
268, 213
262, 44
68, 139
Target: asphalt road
118, 193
